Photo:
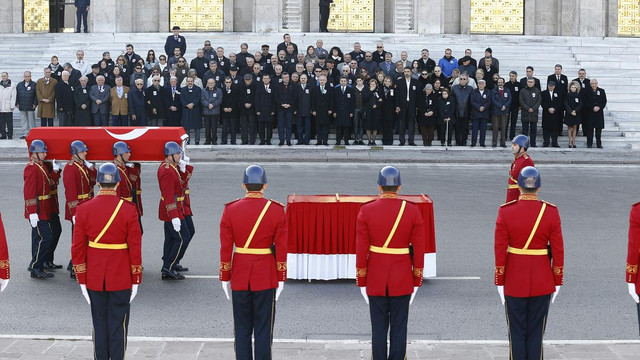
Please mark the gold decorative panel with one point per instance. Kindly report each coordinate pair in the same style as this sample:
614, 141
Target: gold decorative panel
497, 16
351, 15
629, 17
197, 15
36, 16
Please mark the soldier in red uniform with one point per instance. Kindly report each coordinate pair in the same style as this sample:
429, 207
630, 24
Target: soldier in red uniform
519, 146
388, 272
54, 221
186, 170
129, 188
633, 256
4, 259
529, 255
37, 206
257, 227
79, 178
171, 211
107, 259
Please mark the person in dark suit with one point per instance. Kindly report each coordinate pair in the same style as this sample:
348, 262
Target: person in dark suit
131, 58
173, 106
82, 103
247, 110
303, 110
74, 75
552, 108
283, 45
82, 9
324, 14
322, 109
154, 98
285, 97
190, 97
175, 41
388, 110
425, 63
595, 100
585, 84
64, 100
562, 87
137, 104
514, 88
100, 95
406, 107
343, 107
523, 81
489, 71
265, 109
480, 112
229, 111
387, 66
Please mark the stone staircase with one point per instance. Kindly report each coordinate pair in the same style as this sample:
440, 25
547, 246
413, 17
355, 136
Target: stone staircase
405, 16
615, 62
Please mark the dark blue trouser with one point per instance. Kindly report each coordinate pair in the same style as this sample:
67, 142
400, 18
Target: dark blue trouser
188, 221
303, 125
389, 312
40, 242
253, 313
81, 19
56, 231
322, 133
100, 119
110, 314
530, 129
120, 120
229, 125
526, 319
285, 119
513, 120
174, 244
478, 124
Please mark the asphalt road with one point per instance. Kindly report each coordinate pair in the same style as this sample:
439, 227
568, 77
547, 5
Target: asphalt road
594, 203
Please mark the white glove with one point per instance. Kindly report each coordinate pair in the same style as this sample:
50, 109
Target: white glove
183, 165
632, 292
73, 219
56, 166
279, 289
186, 158
501, 293
3, 284
33, 218
130, 164
88, 164
555, 294
225, 287
413, 295
176, 224
134, 292
85, 293
363, 291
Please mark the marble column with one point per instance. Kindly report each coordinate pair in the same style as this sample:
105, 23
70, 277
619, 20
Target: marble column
595, 14
430, 16
268, 15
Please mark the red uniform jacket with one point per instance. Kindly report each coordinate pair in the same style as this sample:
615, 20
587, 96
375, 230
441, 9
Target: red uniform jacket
186, 176
526, 271
126, 187
134, 175
78, 186
99, 265
172, 194
55, 180
385, 273
633, 255
4, 253
520, 162
250, 271
38, 182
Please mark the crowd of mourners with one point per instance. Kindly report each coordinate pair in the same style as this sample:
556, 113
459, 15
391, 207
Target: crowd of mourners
366, 97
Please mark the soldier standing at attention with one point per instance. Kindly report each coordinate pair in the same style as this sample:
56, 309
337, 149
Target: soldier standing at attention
107, 260
129, 176
388, 272
519, 146
4, 259
258, 272
529, 256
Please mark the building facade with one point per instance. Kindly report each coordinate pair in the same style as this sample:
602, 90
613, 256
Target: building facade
528, 17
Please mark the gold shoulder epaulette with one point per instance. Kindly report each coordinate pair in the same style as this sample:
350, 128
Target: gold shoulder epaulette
548, 203
509, 203
231, 202
277, 202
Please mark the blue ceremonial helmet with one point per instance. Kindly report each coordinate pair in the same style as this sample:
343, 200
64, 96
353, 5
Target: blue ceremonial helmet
77, 147
171, 148
522, 140
120, 148
389, 176
529, 178
254, 174
108, 174
37, 146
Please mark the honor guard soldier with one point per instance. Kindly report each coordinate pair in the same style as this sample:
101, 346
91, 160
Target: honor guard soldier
54, 221
129, 176
107, 260
79, 178
633, 256
519, 146
529, 256
37, 205
171, 211
186, 170
4, 258
390, 247
257, 227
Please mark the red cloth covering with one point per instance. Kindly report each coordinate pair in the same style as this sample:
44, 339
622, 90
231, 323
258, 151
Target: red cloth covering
326, 224
146, 143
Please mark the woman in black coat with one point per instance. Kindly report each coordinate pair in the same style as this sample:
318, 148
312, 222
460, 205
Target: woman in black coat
573, 112
428, 114
373, 112
447, 115
388, 111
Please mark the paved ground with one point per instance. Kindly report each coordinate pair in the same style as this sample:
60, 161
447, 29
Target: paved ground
24, 349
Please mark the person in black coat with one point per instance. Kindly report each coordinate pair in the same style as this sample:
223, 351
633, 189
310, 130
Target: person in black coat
154, 96
137, 104
324, 14
175, 41
64, 100
92, 76
595, 100
388, 111
562, 87
523, 81
285, 97
373, 111
343, 107
447, 115
480, 112
82, 104
406, 90
552, 107
74, 75
428, 114
173, 106
229, 111
514, 88
265, 109
303, 110
573, 112
247, 107
322, 109
190, 97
